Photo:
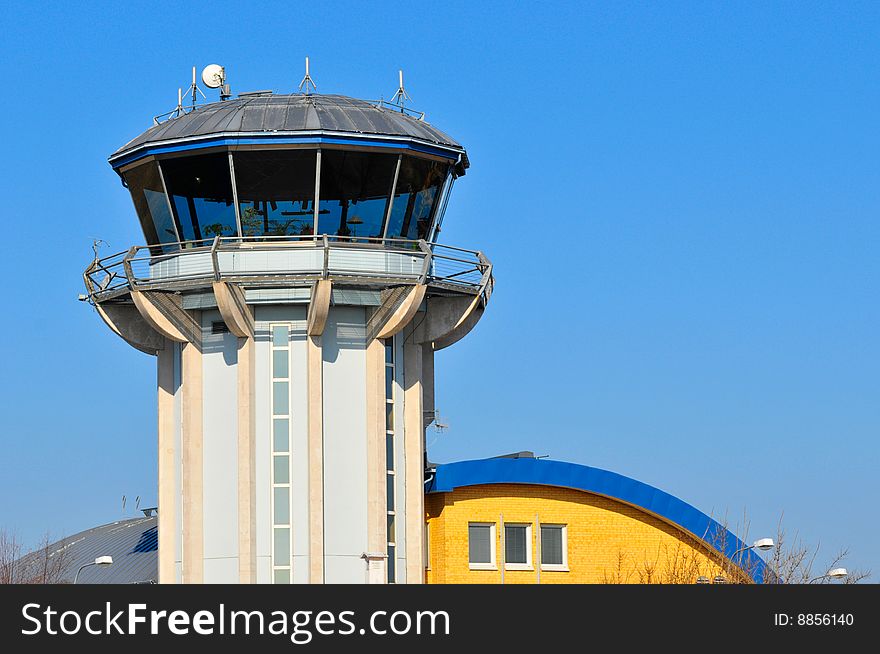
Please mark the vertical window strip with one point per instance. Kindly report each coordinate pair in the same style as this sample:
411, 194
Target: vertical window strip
390, 478
280, 468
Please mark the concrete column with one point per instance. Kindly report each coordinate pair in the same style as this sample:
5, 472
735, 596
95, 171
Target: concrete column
247, 490
376, 511
193, 472
414, 453
315, 364
168, 491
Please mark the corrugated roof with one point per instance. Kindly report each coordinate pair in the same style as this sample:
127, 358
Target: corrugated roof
133, 544
278, 114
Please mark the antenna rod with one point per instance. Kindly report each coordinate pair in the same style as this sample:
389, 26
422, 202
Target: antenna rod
194, 88
307, 80
400, 96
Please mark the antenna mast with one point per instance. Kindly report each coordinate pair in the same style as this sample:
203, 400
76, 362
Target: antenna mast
194, 89
307, 80
400, 96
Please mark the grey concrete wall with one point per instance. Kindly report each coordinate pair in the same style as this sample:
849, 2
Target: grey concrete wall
220, 453
345, 446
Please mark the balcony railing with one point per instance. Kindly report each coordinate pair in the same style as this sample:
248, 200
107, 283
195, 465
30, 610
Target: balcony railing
273, 261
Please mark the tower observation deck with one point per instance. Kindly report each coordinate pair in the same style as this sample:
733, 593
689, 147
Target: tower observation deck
294, 292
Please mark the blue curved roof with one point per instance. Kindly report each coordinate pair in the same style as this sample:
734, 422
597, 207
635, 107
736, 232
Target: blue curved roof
544, 472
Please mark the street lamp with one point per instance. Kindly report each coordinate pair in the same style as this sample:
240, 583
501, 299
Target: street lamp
762, 544
834, 573
101, 560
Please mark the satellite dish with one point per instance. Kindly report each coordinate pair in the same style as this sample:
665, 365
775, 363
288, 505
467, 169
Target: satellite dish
213, 75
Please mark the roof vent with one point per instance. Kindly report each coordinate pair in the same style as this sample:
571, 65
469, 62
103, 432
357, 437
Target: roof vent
517, 455
255, 94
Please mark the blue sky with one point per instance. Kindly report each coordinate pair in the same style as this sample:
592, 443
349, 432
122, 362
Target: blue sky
681, 201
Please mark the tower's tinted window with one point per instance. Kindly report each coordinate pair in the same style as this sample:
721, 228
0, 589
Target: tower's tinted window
418, 188
150, 202
355, 187
201, 195
276, 191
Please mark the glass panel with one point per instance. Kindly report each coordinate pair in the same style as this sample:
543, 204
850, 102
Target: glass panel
282, 470
389, 452
389, 416
281, 435
389, 351
389, 491
391, 532
150, 202
282, 576
280, 398
280, 366
279, 336
479, 544
355, 187
201, 194
282, 546
281, 511
515, 544
418, 186
276, 191
551, 545
392, 565
389, 383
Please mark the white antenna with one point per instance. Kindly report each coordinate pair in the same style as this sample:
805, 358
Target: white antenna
194, 89
400, 96
307, 80
214, 77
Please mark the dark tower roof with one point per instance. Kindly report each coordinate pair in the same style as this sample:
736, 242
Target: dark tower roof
276, 115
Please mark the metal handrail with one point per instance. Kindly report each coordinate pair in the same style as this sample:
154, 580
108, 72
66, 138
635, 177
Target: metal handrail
115, 274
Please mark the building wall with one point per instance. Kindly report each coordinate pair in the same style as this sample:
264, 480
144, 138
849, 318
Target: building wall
219, 452
608, 541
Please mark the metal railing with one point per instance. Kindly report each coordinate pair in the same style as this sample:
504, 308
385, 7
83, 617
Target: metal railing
278, 260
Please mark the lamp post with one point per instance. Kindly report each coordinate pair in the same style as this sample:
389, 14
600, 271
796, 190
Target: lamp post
101, 560
762, 545
834, 573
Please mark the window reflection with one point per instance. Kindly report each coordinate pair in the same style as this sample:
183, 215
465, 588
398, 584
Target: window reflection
201, 195
276, 191
418, 188
355, 187
146, 190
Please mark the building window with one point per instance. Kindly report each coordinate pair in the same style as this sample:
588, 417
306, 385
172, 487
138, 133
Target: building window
481, 545
517, 547
281, 520
200, 189
390, 476
554, 547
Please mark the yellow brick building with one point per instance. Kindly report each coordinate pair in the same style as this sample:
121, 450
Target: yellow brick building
526, 520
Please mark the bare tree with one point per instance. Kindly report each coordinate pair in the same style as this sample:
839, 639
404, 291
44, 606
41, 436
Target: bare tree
790, 562
45, 564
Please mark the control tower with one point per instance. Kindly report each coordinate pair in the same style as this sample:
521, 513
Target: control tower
293, 291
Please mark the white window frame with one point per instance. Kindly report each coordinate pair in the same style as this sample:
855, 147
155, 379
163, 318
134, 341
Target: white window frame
556, 567
530, 545
492, 565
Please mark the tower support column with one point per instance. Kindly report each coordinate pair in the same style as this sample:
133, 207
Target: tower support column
414, 455
315, 363
247, 489
193, 472
168, 490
